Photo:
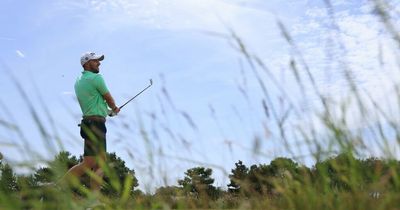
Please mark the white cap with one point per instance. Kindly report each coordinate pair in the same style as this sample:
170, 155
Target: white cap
90, 56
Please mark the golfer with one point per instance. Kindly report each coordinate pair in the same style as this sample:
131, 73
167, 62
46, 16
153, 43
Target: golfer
94, 97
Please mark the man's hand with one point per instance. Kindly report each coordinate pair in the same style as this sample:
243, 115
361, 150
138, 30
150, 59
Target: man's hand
110, 102
113, 112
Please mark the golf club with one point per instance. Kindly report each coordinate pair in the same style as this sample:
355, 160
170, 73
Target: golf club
113, 114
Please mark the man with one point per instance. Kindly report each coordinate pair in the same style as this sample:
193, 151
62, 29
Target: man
93, 96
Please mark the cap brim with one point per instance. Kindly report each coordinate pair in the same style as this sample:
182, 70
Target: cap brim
100, 58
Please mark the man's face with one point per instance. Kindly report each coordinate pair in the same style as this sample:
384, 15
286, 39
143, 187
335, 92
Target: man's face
94, 65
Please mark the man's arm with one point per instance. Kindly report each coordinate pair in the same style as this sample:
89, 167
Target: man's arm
110, 102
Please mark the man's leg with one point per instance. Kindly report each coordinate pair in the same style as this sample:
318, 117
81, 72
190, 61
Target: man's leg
78, 170
95, 145
97, 181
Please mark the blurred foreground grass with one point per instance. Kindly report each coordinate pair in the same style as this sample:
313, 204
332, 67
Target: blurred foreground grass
341, 182
342, 178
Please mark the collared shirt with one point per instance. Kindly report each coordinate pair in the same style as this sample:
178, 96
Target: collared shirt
89, 89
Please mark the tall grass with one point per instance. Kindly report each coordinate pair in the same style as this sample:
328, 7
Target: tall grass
311, 124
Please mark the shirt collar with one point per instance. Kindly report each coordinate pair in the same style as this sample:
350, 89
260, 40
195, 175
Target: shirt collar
86, 71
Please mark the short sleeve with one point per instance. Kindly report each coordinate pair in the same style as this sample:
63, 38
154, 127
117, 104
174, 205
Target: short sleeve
100, 84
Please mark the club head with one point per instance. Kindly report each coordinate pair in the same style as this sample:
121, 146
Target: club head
151, 81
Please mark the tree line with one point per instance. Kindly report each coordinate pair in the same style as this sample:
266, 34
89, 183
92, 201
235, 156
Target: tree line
341, 173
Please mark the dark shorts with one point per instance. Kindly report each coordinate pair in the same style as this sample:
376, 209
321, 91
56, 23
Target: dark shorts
94, 134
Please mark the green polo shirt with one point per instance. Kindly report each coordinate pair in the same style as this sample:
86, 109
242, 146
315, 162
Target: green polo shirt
89, 89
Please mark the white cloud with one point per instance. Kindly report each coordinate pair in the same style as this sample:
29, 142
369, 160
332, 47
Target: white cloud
305, 28
360, 43
340, 3
316, 12
20, 54
172, 15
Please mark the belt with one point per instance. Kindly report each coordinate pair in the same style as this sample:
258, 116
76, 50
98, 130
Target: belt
95, 118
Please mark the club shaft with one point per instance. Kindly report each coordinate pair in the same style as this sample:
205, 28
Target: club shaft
134, 97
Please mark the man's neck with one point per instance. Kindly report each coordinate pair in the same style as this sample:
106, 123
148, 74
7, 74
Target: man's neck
93, 71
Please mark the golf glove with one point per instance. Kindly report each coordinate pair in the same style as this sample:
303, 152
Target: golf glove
111, 113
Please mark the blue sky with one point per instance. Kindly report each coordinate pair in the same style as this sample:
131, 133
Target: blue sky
186, 47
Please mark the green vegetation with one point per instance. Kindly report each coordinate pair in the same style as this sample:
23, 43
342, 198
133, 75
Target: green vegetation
340, 182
